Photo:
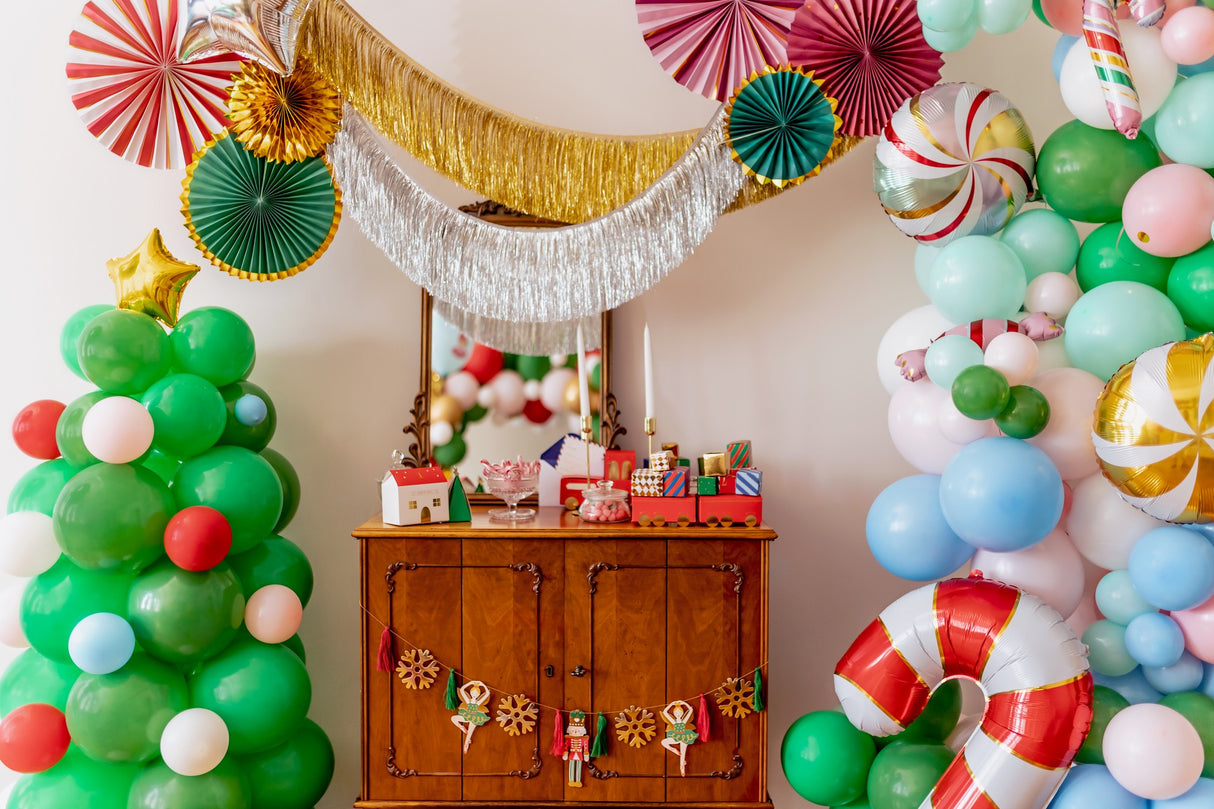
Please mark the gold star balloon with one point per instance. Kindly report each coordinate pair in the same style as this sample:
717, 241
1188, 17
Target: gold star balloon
264, 30
1154, 431
150, 280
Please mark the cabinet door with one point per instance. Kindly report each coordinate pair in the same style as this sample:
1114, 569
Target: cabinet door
615, 659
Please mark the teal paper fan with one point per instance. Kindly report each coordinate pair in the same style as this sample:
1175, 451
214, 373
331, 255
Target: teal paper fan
256, 218
780, 125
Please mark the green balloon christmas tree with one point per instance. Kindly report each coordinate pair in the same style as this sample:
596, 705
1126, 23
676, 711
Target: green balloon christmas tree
162, 603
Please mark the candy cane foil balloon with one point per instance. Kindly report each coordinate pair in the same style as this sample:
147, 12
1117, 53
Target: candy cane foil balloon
1103, 38
1029, 663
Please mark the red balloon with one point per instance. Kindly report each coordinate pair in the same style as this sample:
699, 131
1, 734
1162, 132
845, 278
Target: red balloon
33, 737
484, 363
34, 429
535, 411
197, 538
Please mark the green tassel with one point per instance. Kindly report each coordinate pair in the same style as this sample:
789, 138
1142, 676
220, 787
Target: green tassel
758, 701
599, 747
452, 692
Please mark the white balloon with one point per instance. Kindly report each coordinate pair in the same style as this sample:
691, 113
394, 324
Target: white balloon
508, 388
1053, 293
914, 427
117, 429
194, 742
915, 329
27, 543
1052, 570
532, 389
1153, 73
11, 633
960, 428
1014, 355
486, 397
463, 387
1103, 526
440, 433
552, 388
1067, 438
1153, 751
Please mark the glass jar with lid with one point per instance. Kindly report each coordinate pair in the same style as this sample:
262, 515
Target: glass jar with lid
604, 503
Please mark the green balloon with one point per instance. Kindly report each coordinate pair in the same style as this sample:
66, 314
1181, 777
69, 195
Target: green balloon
181, 616
533, 367
1026, 414
249, 436
1037, 10
980, 392
214, 343
112, 516
1107, 255
475, 413
826, 759
119, 717
39, 488
239, 484
1084, 172
1198, 708
55, 601
295, 644
451, 453
69, 337
33, 677
124, 352
1106, 703
938, 719
289, 479
158, 787
276, 561
162, 466
1191, 288
188, 413
261, 692
67, 430
904, 773
294, 774
76, 782
510, 361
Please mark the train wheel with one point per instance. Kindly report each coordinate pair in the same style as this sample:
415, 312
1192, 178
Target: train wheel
643, 520
711, 521
751, 522
684, 521
571, 503
659, 521
727, 521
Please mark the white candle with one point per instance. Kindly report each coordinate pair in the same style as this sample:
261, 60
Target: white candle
649, 409
583, 385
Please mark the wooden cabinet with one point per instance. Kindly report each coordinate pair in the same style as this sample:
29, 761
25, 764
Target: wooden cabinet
575, 616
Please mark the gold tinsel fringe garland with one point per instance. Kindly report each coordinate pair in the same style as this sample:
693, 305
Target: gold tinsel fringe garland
547, 171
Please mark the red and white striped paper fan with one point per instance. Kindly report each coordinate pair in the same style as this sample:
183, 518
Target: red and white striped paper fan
132, 91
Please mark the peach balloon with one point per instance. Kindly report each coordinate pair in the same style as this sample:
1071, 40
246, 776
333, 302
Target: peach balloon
1188, 38
273, 613
117, 429
1065, 15
1052, 570
1153, 751
1013, 354
1067, 438
1197, 625
1168, 211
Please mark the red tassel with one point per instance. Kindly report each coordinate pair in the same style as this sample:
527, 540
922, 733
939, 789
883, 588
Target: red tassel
703, 723
386, 653
558, 737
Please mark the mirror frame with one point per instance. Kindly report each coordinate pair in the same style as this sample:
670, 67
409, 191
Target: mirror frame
418, 431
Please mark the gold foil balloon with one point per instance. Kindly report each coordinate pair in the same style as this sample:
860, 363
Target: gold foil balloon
445, 407
572, 399
150, 280
284, 118
1154, 431
265, 30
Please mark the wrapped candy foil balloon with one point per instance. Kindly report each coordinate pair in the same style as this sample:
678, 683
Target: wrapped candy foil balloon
1151, 428
954, 160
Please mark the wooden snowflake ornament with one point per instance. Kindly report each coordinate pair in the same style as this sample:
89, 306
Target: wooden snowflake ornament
635, 726
517, 715
735, 697
417, 669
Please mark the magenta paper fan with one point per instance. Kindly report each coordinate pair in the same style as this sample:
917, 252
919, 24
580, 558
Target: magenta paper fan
712, 46
132, 91
869, 54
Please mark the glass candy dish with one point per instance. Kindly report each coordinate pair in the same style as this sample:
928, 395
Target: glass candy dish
511, 481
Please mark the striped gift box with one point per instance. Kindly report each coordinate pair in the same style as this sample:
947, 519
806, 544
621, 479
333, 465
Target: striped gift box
675, 481
748, 481
739, 454
646, 483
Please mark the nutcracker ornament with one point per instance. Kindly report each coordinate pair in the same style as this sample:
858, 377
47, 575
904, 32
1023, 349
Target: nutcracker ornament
576, 746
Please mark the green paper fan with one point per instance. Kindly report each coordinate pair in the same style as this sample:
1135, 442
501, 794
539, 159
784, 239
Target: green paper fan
781, 125
255, 218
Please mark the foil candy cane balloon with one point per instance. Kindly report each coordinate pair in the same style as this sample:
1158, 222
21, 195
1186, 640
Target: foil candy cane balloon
1028, 661
1103, 38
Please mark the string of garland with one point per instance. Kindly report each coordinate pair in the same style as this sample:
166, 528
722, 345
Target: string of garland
523, 338
548, 171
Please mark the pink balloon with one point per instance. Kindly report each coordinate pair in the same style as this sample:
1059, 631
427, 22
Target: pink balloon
1188, 38
1053, 293
1085, 614
1065, 15
1153, 751
1067, 438
1171, 9
960, 428
508, 389
1197, 624
1052, 570
914, 426
273, 613
463, 387
1013, 354
552, 388
1169, 210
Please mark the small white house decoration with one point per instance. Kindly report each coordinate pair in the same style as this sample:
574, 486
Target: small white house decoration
414, 496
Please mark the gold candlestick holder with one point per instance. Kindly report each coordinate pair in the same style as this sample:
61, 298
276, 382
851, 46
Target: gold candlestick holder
651, 423
587, 424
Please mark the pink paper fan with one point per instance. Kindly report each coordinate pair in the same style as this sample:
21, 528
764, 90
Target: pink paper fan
132, 91
869, 54
712, 46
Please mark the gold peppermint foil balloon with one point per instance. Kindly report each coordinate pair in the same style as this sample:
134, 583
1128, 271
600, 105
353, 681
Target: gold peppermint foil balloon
1154, 431
284, 118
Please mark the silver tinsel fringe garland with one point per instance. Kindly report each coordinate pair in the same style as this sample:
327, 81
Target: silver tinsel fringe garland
523, 276
538, 339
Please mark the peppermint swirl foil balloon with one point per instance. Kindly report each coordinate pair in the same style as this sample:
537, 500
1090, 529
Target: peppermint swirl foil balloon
954, 160
1154, 431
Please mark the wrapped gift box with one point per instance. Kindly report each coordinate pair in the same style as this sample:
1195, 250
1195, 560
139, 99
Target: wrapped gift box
675, 482
646, 483
706, 486
748, 481
739, 454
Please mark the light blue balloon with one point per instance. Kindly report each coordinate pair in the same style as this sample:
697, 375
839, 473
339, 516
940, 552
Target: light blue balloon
950, 41
1003, 16
1117, 599
1115, 322
449, 347
1200, 796
1185, 122
925, 259
1001, 494
1060, 51
1183, 675
1088, 786
949, 356
1044, 240
250, 410
907, 532
1133, 686
1155, 640
1173, 567
976, 277
101, 643
947, 15
1107, 651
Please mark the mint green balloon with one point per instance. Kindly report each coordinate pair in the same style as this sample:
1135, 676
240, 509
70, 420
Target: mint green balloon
949, 356
119, 717
188, 413
224, 787
69, 337
182, 616
1106, 649
925, 259
1185, 122
1115, 322
947, 15
112, 517
1117, 599
33, 677
1003, 16
950, 41
76, 782
67, 430
122, 351
55, 601
1044, 241
975, 277
39, 488
238, 483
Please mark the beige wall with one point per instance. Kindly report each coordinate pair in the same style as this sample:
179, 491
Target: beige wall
768, 332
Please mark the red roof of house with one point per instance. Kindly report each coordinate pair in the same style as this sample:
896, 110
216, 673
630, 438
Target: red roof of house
413, 477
